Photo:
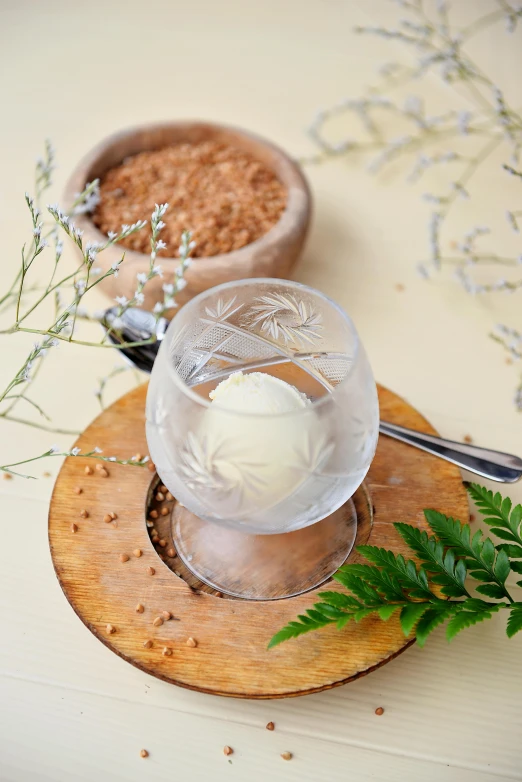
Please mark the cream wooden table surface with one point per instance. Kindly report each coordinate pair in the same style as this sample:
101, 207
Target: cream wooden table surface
71, 710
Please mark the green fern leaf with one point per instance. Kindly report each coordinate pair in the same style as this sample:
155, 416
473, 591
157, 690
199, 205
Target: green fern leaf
411, 614
514, 623
497, 511
415, 581
385, 612
514, 552
502, 567
360, 588
460, 572
432, 618
385, 583
515, 520
343, 621
505, 508
480, 575
391, 583
472, 611
316, 615
476, 551
503, 534
445, 572
329, 612
340, 600
491, 590
488, 552
362, 613
303, 624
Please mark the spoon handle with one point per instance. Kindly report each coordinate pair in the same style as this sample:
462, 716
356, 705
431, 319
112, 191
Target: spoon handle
495, 465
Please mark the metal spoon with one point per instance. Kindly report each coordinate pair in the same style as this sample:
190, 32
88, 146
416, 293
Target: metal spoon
139, 325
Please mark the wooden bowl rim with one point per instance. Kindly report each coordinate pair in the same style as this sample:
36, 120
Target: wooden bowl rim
299, 203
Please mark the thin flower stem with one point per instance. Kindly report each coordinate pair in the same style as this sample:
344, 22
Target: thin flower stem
481, 24
20, 287
470, 170
504, 261
36, 425
123, 346
29, 401
25, 390
89, 454
479, 97
46, 293
104, 380
65, 317
77, 303
10, 292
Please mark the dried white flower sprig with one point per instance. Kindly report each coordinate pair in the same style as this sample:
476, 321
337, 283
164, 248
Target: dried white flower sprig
67, 289
55, 450
394, 127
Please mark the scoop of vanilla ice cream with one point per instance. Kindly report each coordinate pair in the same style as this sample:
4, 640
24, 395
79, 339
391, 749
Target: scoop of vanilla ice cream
258, 393
258, 455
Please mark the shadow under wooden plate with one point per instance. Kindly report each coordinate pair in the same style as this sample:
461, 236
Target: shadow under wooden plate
231, 656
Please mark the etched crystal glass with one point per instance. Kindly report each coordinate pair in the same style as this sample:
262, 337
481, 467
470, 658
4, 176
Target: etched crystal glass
236, 475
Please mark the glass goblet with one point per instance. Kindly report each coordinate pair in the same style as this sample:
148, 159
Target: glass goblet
262, 478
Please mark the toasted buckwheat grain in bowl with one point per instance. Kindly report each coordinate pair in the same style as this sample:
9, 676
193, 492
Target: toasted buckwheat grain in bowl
225, 197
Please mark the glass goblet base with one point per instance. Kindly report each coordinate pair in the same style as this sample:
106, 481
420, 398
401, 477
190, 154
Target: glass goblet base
264, 567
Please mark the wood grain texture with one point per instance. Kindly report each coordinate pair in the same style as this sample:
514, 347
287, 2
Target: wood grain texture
273, 255
231, 657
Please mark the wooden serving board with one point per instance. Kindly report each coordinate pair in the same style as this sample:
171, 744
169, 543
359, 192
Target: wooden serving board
231, 656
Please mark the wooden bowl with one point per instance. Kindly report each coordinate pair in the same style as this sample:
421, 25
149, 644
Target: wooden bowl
273, 255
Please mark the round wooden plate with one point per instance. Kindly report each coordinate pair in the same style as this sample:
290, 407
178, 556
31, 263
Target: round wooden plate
231, 656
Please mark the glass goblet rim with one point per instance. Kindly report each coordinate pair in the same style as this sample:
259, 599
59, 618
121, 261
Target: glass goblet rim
315, 404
